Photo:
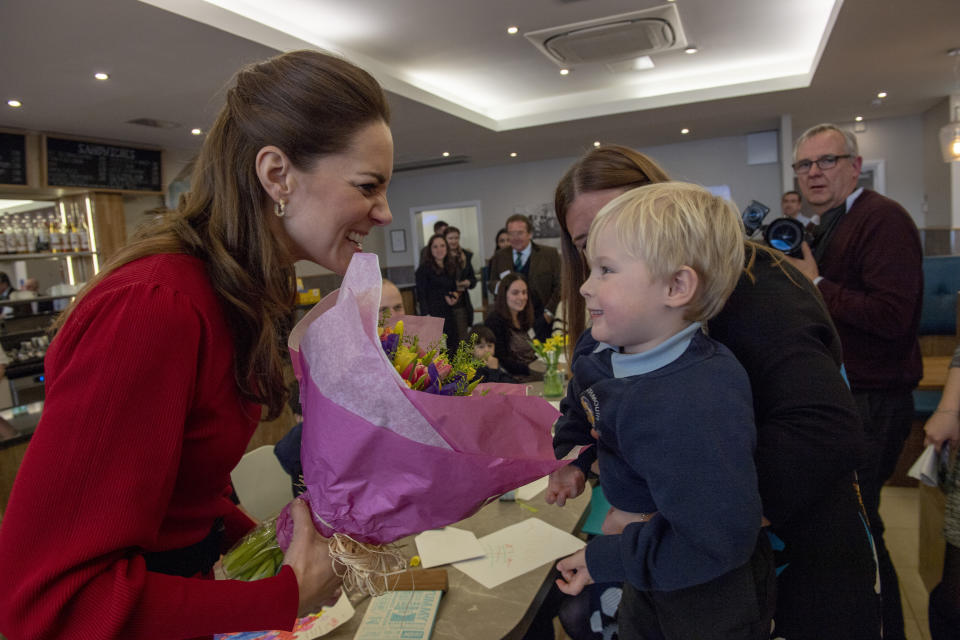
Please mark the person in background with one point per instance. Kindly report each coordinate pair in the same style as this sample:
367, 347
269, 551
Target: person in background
5, 287
672, 413
43, 306
466, 280
511, 321
867, 263
112, 532
483, 350
501, 241
538, 264
809, 437
437, 293
942, 429
391, 303
439, 227
790, 204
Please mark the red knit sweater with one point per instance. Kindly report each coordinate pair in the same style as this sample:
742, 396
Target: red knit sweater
141, 427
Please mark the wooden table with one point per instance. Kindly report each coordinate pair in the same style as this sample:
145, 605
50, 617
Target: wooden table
934, 372
470, 611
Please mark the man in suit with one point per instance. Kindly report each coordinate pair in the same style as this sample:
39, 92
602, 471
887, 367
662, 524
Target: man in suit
540, 267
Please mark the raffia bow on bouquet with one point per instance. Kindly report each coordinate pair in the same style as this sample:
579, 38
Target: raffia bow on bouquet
381, 460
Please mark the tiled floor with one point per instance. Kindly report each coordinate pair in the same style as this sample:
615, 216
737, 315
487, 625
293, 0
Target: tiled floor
899, 508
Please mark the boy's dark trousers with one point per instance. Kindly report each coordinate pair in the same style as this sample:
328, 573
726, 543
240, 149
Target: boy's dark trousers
736, 606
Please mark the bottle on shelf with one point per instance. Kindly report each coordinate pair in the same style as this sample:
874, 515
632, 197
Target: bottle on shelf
56, 235
43, 235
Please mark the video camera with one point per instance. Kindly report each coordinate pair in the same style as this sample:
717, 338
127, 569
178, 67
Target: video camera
784, 234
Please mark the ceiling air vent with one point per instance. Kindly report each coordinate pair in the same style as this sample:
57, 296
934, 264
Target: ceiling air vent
157, 124
429, 163
620, 37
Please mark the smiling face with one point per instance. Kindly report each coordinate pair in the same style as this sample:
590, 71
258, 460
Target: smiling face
438, 249
583, 210
335, 203
627, 306
826, 189
519, 235
517, 296
453, 240
503, 240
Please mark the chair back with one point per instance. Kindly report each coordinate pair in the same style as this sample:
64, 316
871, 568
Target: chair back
261, 483
941, 283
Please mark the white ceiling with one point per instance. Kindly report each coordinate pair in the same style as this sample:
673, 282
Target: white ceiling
459, 83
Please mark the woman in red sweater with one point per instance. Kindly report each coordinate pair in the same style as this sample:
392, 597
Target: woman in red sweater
157, 374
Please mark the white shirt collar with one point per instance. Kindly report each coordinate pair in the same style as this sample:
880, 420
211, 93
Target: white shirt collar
634, 364
525, 254
853, 196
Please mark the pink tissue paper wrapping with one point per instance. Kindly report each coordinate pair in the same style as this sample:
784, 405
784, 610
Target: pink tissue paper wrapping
381, 461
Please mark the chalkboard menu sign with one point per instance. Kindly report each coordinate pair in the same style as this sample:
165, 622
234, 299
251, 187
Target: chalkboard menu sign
74, 163
13, 158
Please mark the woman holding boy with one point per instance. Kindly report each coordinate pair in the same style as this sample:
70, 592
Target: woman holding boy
808, 431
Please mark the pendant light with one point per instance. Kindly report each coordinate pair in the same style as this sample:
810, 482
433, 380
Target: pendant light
950, 132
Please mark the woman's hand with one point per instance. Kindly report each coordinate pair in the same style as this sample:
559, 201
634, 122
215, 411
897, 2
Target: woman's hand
943, 426
309, 557
452, 297
574, 574
617, 520
566, 482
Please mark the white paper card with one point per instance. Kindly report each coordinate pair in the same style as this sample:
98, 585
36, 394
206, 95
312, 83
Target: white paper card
927, 467
516, 549
443, 546
529, 491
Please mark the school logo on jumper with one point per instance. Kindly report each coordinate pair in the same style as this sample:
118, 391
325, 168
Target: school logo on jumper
591, 407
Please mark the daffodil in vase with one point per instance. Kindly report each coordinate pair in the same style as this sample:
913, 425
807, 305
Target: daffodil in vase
549, 351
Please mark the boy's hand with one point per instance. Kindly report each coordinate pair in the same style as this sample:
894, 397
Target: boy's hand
493, 363
573, 573
566, 482
617, 520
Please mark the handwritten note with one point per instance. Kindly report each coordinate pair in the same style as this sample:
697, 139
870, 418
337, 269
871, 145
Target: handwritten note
516, 549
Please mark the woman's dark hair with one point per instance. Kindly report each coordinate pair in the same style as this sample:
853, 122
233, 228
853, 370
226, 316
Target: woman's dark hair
449, 263
309, 105
525, 317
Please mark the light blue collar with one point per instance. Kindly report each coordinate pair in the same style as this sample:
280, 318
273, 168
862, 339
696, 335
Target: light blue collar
634, 364
853, 197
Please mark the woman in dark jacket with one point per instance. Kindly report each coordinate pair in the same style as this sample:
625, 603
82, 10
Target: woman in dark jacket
809, 437
510, 321
437, 286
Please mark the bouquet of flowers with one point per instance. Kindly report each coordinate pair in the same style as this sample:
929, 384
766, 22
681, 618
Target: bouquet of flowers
395, 438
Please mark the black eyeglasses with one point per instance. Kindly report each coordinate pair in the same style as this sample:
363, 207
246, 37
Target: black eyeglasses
823, 162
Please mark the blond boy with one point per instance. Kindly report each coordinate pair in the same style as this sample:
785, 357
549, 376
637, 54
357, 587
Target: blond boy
672, 414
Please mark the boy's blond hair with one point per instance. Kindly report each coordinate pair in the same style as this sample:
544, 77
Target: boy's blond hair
669, 225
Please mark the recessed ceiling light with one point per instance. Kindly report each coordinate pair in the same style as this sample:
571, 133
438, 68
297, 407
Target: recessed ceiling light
446, 154
596, 143
196, 131
14, 103
512, 30
882, 94
684, 131
100, 75
859, 118
691, 49
564, 72
513, 154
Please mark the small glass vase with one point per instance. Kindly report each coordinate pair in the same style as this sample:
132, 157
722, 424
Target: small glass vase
552, 382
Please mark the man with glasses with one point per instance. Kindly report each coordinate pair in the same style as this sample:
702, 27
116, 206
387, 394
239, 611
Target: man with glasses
538, 264
867, 264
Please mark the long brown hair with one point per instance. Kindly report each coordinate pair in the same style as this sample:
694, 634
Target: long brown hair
500, 306
449, 262
309, 105
606, 167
